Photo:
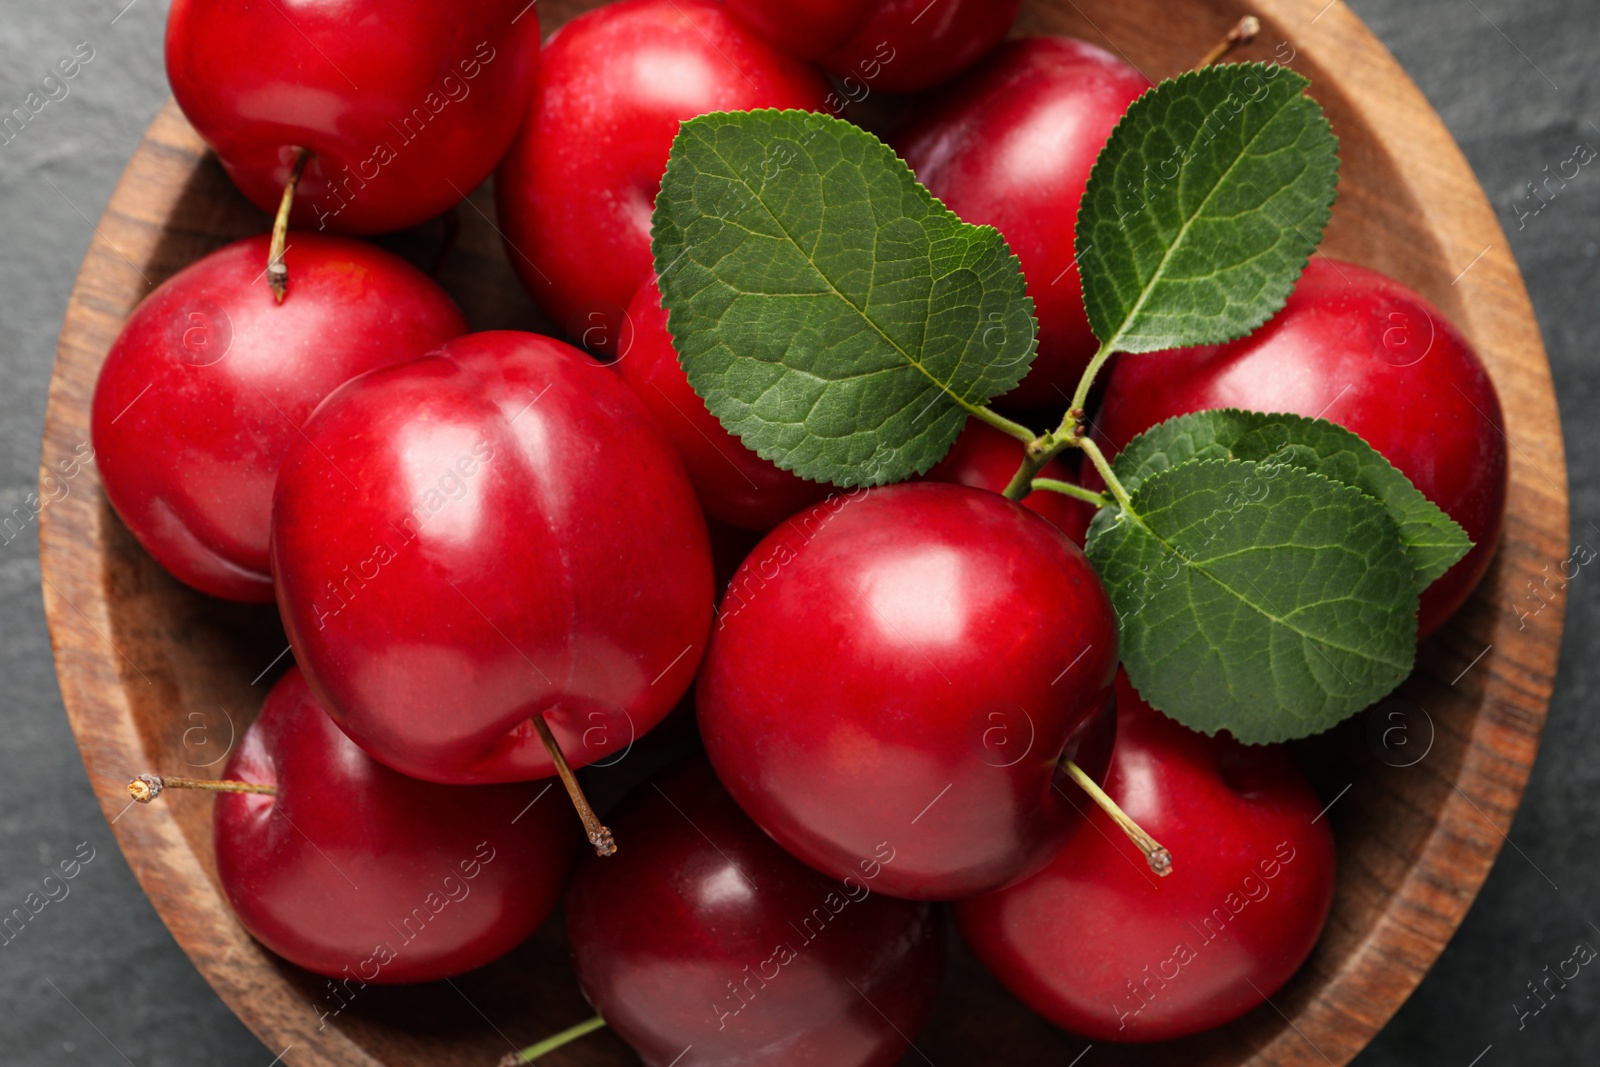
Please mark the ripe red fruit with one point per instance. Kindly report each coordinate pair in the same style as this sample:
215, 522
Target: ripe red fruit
703, 933
810, 29
735, 485
987, 458
1011, 145
206, 387
1096, 944
491, 532
893, 46
405, 107
909, 665
356, 872
1364, 351
576, 191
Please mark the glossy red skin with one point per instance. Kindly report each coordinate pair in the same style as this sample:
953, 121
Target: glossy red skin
892, 46
882, 671
576, 190
356, 872
986, 458
347, 79
1437, 418
486, 533
810, 29
701, 931
203, 391
734, 485
1011, 145
908, 46
1074, 941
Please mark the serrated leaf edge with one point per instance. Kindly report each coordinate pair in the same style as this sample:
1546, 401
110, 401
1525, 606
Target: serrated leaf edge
1118, 514
1321, 227
1132, 483
677, 330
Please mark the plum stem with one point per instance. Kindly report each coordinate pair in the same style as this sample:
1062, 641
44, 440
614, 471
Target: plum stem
277, 270
1155, 853
147, 787
551, 1043
1243, 32
599, 835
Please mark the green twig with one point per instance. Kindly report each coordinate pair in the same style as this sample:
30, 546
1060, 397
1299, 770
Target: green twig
1043, 449
1080, 397
1103, 465
1077, 492
1003, 424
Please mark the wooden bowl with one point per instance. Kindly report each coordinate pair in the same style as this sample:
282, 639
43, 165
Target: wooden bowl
158, 678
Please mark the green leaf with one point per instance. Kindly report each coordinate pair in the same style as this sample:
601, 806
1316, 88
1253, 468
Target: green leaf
1263, 599
1203, 208
1431, 538
831, 313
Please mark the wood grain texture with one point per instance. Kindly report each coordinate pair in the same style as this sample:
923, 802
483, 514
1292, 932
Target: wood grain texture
156, 677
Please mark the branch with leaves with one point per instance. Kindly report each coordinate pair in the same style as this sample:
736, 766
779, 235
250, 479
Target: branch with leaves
845, 325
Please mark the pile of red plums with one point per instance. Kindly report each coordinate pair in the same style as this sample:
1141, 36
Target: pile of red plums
501, 557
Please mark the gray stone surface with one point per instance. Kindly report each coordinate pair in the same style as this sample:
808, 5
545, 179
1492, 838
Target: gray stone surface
1516, 82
